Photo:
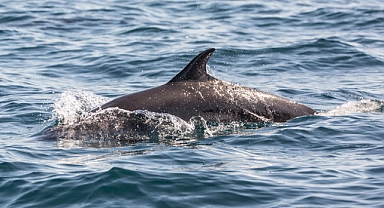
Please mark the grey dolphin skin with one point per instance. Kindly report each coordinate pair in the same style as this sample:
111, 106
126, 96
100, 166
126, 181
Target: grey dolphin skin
193, 92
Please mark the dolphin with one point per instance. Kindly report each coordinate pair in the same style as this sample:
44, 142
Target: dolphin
195, 93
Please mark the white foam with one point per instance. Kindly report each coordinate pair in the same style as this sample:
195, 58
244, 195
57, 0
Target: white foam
351, 107
73, 104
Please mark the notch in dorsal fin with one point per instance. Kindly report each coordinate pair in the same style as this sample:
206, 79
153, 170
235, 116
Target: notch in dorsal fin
196, 69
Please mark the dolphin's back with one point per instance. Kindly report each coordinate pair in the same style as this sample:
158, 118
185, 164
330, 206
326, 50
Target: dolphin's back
214, 101
193, 92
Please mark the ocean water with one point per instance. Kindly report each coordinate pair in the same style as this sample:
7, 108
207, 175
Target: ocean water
59, 59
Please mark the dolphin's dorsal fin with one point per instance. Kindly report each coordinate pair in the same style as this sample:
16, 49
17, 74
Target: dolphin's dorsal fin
196, 69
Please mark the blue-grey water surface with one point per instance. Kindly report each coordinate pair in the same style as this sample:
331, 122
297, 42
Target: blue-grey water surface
57, 56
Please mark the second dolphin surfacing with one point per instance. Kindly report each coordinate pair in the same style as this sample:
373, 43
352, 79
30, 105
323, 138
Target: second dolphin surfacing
193, 92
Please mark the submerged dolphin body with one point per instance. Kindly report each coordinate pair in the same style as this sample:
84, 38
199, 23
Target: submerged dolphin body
193, 92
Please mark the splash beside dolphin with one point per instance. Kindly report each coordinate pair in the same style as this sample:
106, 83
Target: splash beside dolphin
193, 92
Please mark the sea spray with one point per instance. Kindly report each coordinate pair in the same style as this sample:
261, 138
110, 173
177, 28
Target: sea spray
351, 107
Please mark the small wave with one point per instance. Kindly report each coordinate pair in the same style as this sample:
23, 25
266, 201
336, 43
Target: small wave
351, 107
118, 127
114, 126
